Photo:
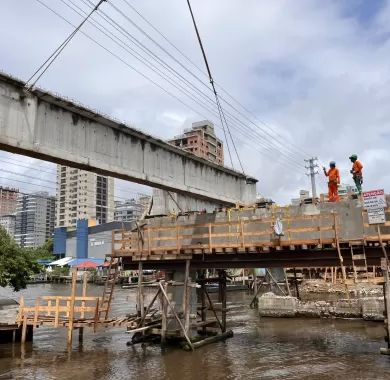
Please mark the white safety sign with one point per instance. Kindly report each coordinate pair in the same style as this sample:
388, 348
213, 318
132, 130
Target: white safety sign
376, 216
374, 199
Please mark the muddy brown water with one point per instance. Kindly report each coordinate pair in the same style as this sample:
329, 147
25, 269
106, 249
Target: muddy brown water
260, 349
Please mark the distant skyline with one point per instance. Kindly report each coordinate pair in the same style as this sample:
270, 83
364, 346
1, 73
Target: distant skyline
314, 71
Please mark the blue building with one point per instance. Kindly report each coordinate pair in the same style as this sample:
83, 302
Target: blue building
86, 242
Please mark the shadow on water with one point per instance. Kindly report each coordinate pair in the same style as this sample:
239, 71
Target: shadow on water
263, 348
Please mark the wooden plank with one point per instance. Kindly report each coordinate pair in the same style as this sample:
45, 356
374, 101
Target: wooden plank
210, 238
84, 292
36, 311
71, 309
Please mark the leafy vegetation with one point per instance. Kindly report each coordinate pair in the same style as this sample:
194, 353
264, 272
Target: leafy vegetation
18, 264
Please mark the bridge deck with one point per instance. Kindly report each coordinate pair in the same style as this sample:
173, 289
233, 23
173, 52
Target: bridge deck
306, 241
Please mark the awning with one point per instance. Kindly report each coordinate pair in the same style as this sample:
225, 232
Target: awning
62, 262
80, 263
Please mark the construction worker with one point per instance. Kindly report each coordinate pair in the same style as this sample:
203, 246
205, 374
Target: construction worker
333, 175
357, 172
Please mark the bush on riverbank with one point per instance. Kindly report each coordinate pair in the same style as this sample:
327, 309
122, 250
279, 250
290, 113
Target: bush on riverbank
18, 264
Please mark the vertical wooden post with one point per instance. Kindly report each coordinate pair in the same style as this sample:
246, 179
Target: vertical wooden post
254, 282
164, 312
140, 295
81, 334
296, 283
223, 288
210, 241
186, 308
242, 234
149, 248
36, 311
84, 294
57, 312
71, 309
20, 314
203, 313
24, 329
286, 279
178, 242
340, 256
49, 308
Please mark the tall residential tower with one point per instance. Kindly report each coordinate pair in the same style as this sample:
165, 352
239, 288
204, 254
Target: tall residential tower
35, 215
83, 195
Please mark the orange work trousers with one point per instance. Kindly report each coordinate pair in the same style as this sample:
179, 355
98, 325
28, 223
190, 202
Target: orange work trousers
333, 192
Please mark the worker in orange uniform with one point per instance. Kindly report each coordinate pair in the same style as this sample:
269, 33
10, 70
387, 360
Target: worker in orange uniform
333, 175
357, 172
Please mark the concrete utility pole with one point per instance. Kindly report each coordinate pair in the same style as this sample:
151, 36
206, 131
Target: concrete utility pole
312, 166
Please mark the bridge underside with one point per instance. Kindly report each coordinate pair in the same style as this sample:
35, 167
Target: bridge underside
301, 258
45, 126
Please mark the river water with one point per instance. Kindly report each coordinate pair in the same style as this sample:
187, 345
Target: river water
260, 349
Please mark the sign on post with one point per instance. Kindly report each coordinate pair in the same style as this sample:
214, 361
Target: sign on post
374, 202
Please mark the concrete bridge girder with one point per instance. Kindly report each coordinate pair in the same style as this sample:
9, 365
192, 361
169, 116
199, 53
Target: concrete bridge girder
45, 126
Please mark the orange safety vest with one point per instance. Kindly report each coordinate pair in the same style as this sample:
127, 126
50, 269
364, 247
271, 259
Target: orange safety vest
357, 168
334, 175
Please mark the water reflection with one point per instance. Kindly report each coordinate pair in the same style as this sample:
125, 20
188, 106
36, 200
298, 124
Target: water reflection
260, 349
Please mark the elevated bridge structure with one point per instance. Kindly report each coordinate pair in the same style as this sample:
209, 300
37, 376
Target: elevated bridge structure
313, 236
43, 125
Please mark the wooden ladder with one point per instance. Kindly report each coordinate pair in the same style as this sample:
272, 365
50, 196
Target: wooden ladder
359, 260
105, 303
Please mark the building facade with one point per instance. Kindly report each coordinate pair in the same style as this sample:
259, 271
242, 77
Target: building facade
87, 242
8, 223
202, 141
8, 200
34, 221
129, 210
83, 195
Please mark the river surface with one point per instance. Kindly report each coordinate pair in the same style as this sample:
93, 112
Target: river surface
260, 349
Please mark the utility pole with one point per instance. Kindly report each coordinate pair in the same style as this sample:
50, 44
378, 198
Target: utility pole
312, 171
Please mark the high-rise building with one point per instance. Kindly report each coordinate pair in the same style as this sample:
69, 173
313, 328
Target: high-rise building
34, 222
202, 141
130, 209
8, 200
83, 195
8, 223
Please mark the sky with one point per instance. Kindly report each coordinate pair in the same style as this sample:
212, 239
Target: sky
314, 76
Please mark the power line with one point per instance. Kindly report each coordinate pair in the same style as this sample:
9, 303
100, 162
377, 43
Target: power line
156, 43
222, 115
56, 188
50, 60
297, 150
55, 172
133, 68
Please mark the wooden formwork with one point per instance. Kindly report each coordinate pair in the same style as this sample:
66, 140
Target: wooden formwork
244, 235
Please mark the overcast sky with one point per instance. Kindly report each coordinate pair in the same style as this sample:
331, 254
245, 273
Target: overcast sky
314, 74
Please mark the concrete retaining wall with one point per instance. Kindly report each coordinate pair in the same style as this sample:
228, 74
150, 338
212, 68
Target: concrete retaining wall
370, 308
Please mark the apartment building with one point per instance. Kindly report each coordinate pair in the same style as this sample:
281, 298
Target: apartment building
130, 210
8, 223
34, 220
202, 141
8, 200
83, 195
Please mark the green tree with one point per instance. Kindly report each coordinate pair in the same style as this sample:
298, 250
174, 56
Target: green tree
16, 264
44, 252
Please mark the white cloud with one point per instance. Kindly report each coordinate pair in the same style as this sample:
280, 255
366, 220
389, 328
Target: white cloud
314, 71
